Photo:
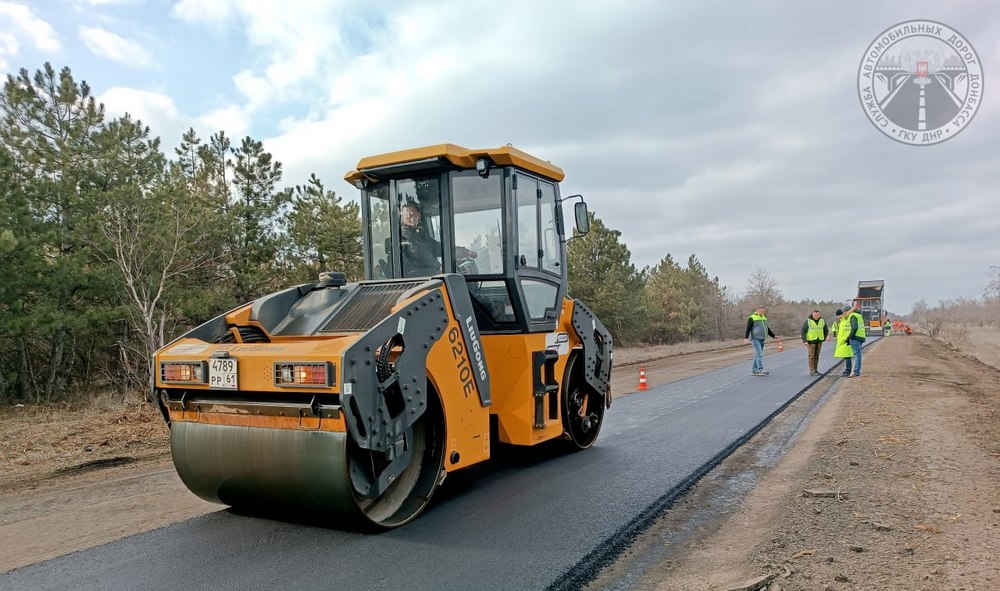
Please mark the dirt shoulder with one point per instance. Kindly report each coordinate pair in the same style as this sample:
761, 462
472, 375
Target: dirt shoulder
45, 443
894, 484
72, 479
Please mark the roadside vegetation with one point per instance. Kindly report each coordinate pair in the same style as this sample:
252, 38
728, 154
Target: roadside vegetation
111, 245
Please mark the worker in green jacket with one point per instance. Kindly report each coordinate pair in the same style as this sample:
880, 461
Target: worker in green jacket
843, 350
856, 337
814, 332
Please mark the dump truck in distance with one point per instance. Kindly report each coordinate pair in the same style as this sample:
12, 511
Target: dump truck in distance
353, 401
871, 297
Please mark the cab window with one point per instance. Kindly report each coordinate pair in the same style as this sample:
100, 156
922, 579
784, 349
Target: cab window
418, 202
540, 297
478, 223
379, 245
549, 238
527, 222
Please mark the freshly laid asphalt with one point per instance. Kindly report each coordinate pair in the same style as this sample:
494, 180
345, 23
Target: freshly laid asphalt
542, 520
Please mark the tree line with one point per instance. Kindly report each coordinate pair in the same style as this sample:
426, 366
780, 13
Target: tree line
958, 315
671, 302
112, 245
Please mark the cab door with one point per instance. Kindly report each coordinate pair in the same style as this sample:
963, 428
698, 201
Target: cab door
539, 258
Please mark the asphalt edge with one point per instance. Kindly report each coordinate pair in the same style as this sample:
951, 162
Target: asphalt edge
608, 550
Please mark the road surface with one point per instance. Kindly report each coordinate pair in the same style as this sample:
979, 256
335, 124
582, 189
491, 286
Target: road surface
523, 521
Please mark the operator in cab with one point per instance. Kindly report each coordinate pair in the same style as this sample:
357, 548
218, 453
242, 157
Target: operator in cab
420, 251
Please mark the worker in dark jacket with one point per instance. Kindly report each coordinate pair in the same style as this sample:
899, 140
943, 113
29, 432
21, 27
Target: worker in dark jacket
856, 338
814, 332
757, 331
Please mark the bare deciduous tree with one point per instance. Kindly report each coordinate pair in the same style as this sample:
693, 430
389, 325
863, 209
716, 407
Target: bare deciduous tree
152, 247
992, 291
762, 288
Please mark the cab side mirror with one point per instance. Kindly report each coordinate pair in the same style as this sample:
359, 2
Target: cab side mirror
582, 219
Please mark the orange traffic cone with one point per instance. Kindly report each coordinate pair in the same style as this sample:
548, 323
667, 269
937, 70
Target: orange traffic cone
781, 346
642, 379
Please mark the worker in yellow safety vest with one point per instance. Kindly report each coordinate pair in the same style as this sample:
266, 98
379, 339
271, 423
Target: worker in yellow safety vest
814, 332
843, 350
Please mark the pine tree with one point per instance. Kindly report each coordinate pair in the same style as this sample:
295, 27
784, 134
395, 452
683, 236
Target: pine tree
602, 275
256, 213
324, 233
663, 291
188, 159
49, 122
15, 263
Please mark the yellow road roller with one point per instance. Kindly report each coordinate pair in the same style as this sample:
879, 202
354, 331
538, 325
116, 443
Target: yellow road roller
353, 401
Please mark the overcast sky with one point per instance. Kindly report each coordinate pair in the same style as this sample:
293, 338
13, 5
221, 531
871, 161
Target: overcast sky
729, 130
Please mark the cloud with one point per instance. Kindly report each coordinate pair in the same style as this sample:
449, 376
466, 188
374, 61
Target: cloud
156, 110
21, 22
231, 119
114, 47
292, 68
208, 12
293, 49
731, 132
8, 47
164, 118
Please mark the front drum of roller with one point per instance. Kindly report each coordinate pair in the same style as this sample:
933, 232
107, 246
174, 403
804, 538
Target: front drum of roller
276, 470
299, 473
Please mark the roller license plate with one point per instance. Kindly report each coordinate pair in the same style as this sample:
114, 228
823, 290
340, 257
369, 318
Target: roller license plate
222, 374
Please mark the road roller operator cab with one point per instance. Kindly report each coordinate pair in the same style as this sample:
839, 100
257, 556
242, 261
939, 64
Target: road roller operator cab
354, 400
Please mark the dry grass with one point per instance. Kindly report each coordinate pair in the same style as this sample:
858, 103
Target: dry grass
635, 355
41, 440
980, 342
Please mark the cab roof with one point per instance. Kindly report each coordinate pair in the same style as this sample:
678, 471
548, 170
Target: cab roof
415, 159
